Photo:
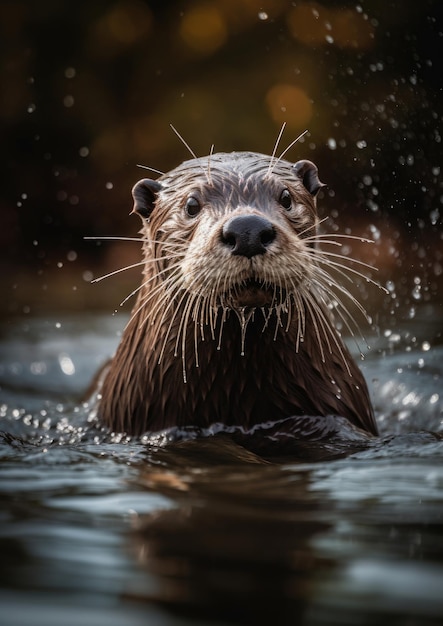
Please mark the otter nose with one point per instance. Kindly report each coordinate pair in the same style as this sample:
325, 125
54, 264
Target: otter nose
248, 235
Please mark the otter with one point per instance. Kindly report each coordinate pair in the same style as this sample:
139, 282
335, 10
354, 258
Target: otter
232, 322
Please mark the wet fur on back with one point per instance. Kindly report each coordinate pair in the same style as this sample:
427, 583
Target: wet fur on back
232, 322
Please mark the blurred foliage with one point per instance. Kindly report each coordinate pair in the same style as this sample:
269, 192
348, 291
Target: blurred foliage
89, 91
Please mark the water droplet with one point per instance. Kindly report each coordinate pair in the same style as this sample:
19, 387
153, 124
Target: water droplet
68, 101
434, 216
66, 364
38, 368
416, 292
438, 269
394, 338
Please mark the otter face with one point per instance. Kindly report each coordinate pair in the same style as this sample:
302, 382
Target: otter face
242, 226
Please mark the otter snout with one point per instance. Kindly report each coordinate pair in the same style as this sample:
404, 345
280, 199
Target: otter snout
248, 235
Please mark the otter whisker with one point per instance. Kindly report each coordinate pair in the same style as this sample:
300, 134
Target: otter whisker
301, 319
150, 315
163, 286
289, 308
342, 269
317, 320
344, 314
196, 315
183, 323
146, 283
338, 236
222, 324
213, 312
266, 312
308, 302
184, 295
279, 304
277, 141
205, 316
339, 307
288, 148
209, 176
325, 253
143, 239
332, 333
336, 291
184, 142
130, 267
169, 327
151, 169
183, 326
115, 238
121, 269
313, 227
325, 279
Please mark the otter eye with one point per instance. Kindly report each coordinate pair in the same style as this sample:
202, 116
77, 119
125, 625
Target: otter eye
285, 199
192, 206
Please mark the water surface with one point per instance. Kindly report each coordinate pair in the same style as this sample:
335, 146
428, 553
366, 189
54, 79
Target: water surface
96, 528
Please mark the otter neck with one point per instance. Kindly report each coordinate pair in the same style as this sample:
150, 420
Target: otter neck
234, 372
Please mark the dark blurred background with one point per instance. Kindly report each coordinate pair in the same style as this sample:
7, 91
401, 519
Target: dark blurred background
89, 91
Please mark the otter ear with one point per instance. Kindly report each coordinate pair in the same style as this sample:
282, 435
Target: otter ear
145, 193
308, 173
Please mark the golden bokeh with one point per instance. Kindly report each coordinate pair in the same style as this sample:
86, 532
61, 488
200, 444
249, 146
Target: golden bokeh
290, 104
123, 25
203, 29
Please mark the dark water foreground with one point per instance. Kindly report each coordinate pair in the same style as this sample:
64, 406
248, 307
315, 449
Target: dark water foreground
98, 529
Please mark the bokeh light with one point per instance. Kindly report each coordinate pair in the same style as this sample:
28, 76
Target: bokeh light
290, 104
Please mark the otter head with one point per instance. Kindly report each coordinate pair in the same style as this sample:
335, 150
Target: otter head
236, 230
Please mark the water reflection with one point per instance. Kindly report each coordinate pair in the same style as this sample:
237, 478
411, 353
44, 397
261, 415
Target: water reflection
308, 543
239, 545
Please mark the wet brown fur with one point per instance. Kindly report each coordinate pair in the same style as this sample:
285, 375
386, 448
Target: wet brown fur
200, 307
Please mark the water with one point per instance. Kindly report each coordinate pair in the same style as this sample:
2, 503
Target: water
99, 529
